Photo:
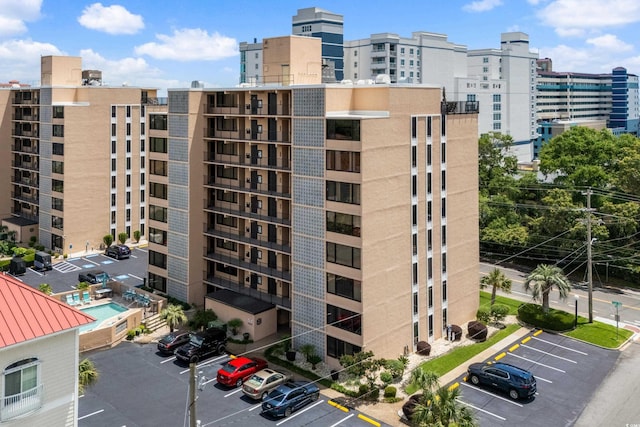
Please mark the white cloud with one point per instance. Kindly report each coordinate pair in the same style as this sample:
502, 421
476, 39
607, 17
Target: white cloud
111, 19
20, 59
481, 5
116, 72
567, 15
610, 43
14, 14
191, 44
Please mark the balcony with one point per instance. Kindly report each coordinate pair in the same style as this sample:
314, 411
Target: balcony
460, 107
275, 246
236, 287
25, 197
255, 268
32, 166
19, 148
259, 189
22, 403
154, 101
249, 215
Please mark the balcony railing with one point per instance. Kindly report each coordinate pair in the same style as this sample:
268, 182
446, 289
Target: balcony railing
245, 290
267, 271
281, 246
249, 214
154, 101
22, 403
460, 107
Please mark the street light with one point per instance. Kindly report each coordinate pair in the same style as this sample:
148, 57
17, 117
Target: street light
575, 323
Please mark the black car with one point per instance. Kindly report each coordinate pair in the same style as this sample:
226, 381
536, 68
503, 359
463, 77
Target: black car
93, 276
203, 344
288, 397
169, 343
118, 251
519, 383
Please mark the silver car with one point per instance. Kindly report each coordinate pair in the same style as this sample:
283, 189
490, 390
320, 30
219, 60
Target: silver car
258, 386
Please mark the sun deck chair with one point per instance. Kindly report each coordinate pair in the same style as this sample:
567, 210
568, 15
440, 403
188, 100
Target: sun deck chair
129, 295
76, 299
70, 300
86, 297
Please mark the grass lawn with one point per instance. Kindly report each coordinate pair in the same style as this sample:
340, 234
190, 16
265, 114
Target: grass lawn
485, 301
601, 334
456, 357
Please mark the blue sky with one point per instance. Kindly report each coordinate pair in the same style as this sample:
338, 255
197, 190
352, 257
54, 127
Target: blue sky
167, 43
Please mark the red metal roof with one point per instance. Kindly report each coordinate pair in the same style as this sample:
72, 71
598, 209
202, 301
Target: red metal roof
26, 313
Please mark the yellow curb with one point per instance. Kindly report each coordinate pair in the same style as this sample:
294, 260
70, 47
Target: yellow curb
338, 406
513, 347
526, 340
538, 332
369, 420
500, 356
231, 356
454, 386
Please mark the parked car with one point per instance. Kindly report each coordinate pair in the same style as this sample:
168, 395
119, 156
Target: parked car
118, 251
262, 382
42, 261
93, 277
288, 397
170, 342
517, 382
203, 344
238, 370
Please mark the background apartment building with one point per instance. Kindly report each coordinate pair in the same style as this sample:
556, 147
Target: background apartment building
78, 157
346, 214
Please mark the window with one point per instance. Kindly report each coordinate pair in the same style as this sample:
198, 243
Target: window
57, 222
113, 147
343, 255
496, 98
113, 182
113, 111
128, 180
157, 259
337, 348
158, 282
343, 192
58, 149
57, 185
343, 129
229, 221
346, 161
158, 213
411, 51
113, 165
128, 163
113, 129
128, 145
402, 50
158, 121
344, 287
344, 319
158, 145
57, 167
142, 129
226, 172
57, 204
128, 201
226, 196
128, 110
411, 63
227, 245
229, 148
22, 388
141, 213
485, 60
343, 223
58, 112
113, 200
402, 62
128, 129
58, 130
158, 167
158, 190
430, 296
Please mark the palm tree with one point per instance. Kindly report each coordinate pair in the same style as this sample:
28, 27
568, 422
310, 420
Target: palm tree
497, 280
174, 315
438, 406
87, 374
45, 288
542, 280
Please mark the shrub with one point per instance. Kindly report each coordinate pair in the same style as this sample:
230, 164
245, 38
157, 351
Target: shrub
82, 286
122, 237
107, 239
136, 236
45, 288
374, 394
483, 314
172, 300
386, 377
477, 330
234, 324
131, 334
363, 389
457, 332
32, 241
314, 359
395, 367
555, 320
202, 318
39, 247
308, 350
499, 312
390, 391
423, 348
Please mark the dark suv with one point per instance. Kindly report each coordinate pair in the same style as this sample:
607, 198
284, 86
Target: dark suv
203, 344
519, 383
118, 251
94, 277
288, 397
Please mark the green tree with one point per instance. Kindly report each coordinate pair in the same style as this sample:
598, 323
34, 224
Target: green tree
495, 164
122, 237
45, 288
234, 324
174, 315
438, 406
136, 236
87, 374
107, 239
542, 280
496, 279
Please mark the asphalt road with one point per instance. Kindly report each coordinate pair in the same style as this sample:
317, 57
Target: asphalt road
603, 298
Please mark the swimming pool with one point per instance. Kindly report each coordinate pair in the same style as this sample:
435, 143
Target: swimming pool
101, 313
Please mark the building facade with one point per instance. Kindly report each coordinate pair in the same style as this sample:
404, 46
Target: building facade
78, 158
351, 209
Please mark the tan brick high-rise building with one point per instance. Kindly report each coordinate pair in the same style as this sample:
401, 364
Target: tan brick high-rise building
347, 213
78, 157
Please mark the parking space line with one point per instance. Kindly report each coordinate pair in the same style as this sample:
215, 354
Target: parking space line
543, 379
342, 420
208, 362
168, 360
90, 415
300, 412
238, 390
36, 271
135, 277
547, 353
482, 410
561, 346
91, 261
491, 394
538, 363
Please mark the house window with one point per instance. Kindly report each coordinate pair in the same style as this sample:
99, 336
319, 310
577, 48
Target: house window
58, 112
22, 388
58, 130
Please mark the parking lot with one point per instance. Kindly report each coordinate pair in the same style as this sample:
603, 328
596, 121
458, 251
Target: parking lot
140, 387
567, 373
64, 275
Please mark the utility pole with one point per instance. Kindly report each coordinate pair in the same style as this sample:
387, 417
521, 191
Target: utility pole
192, 395
589, 243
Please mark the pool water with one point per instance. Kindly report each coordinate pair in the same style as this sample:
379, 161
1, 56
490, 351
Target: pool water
101, 313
